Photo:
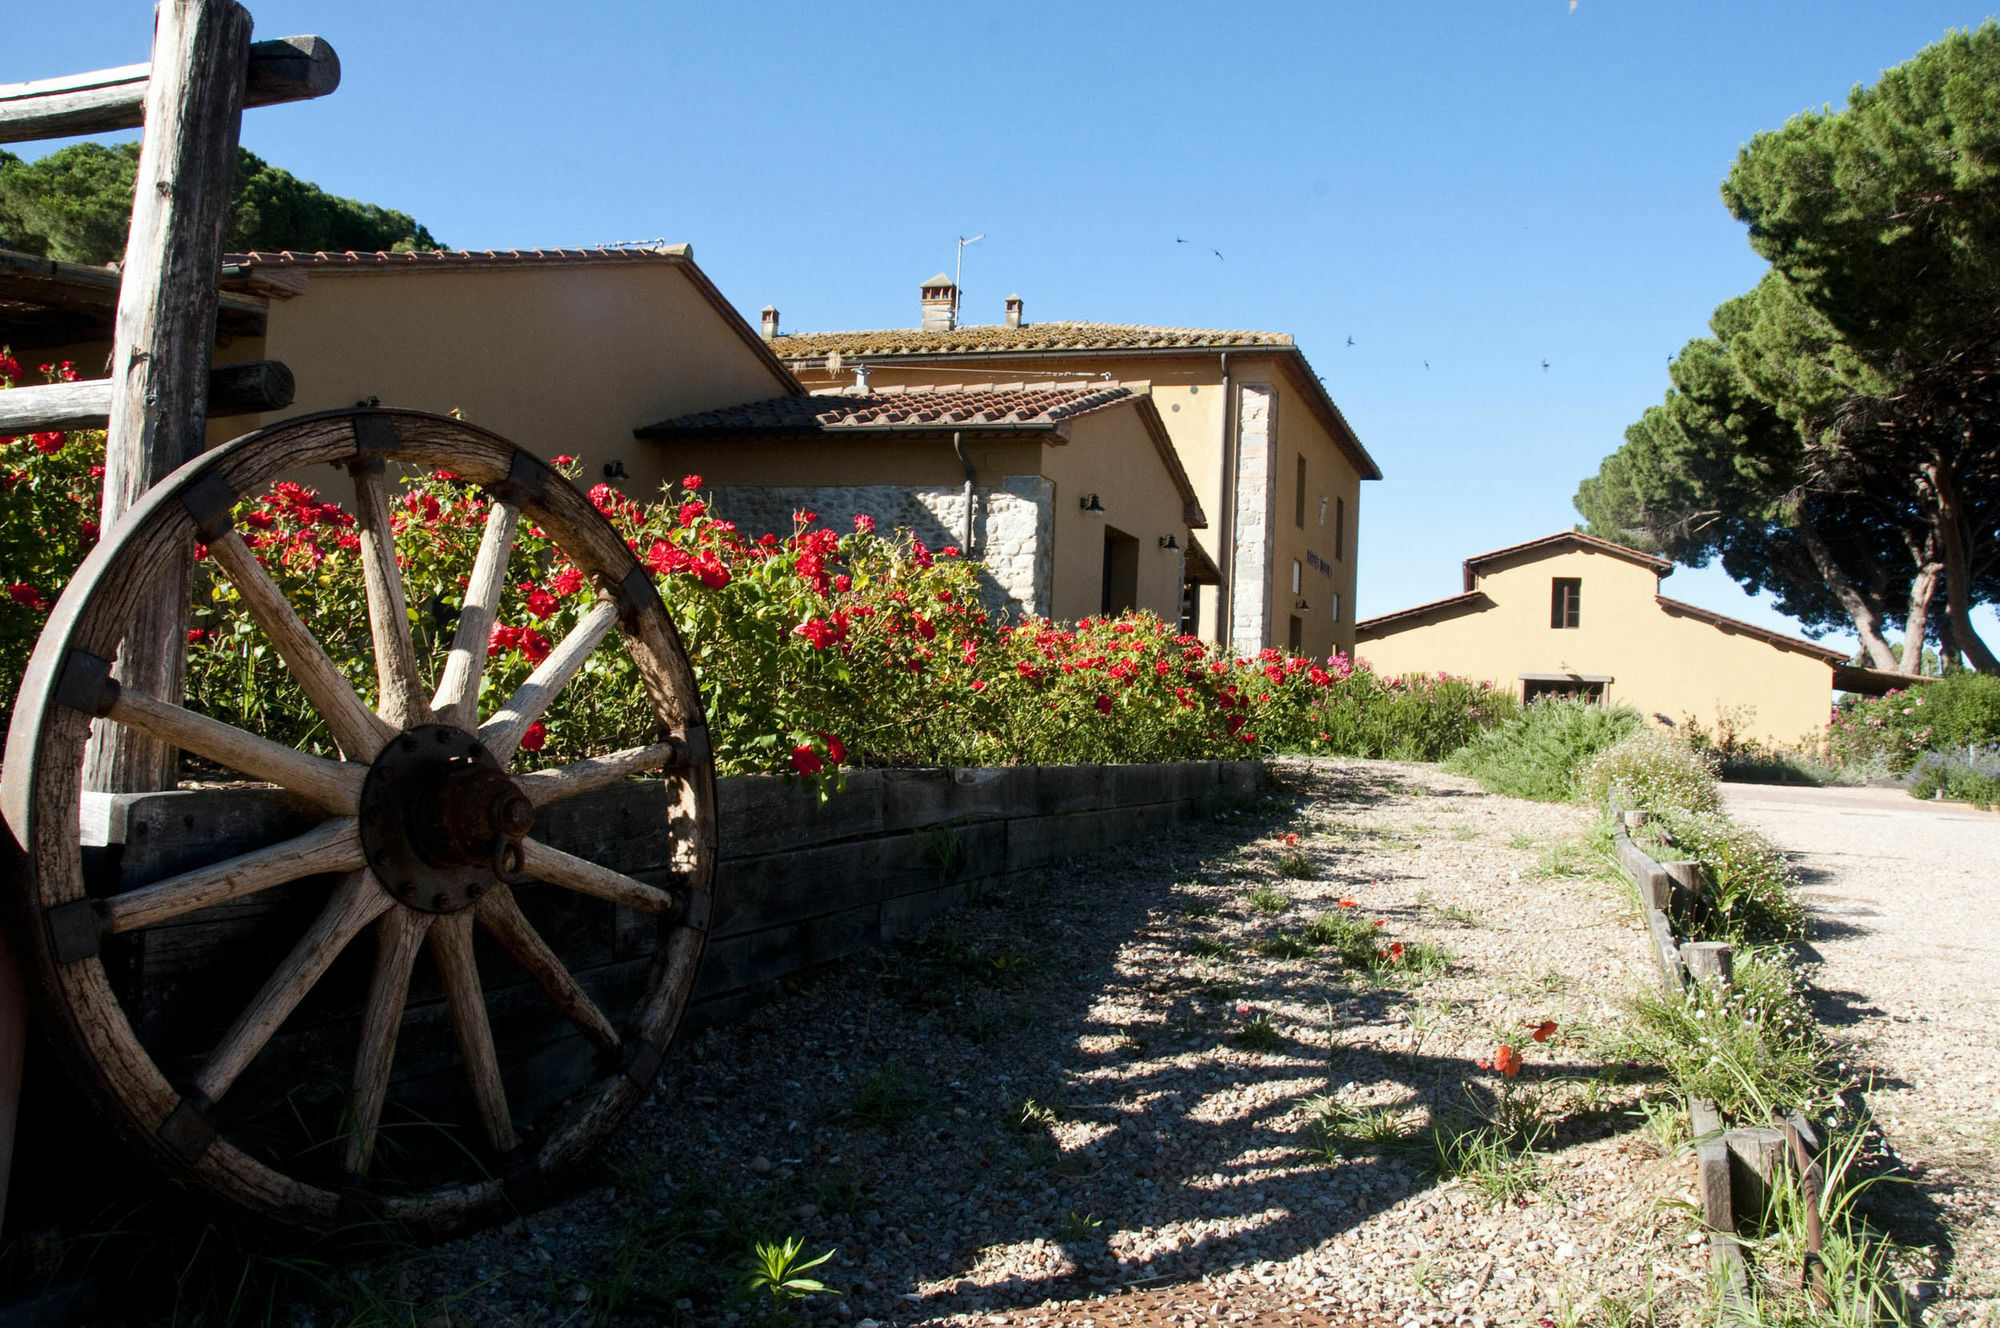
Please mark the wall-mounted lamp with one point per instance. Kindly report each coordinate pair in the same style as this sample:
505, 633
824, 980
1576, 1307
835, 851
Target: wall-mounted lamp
1089, 503
615, 470
1301, 606
1168, 542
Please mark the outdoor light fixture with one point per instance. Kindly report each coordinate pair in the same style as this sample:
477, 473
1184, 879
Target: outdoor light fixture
1089, 503
1167, 542
615, 470
1302, 606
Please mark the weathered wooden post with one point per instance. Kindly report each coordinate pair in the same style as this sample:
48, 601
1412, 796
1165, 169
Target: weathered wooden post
165, 337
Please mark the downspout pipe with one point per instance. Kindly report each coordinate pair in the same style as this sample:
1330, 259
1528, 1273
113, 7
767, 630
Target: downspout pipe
1225, 594
958, 446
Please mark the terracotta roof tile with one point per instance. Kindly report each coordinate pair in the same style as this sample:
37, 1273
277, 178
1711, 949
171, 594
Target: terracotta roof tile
1033, 336
443, 258
974, 405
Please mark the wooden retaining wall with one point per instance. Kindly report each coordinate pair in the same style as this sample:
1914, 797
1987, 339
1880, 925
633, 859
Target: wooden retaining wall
800, 882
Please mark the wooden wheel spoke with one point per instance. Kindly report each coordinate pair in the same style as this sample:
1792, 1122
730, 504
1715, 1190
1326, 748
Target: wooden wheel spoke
451, 946
359, 730
502, 733
546, 786
398, 937
587, 878
335, 785
400, 687
500, 913
332, 847
457, 699
356, 902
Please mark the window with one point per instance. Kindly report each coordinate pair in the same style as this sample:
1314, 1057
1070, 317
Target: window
1339, 528
1565, 601
1298, 578
1299, 495
1333, 613
1581, 689
1295, 635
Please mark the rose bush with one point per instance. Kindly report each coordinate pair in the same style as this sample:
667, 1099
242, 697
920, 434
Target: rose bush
814, 651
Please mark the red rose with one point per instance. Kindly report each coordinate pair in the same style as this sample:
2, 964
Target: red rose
541, 603
836, 750
806, 761
690, 481
536, 738
25, 595
1103, 704
865, 524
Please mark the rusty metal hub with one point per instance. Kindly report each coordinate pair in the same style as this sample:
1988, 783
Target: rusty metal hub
440, 820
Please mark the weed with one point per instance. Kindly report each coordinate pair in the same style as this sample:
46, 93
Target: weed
1295, 866
1666, 1124
1266, 900
1196, 912
1462, 915
1503, 1168
1284, 945
1351, 939
777, 1271
888, 1097
1077, 1227
1035, 1117
1207, 948
1344, 1131
1260, 1035
1747, 1049
944, 850
1522, 843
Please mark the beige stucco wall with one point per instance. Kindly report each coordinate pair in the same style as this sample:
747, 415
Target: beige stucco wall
1187, 390
1109, 453
557, 358
1666, 666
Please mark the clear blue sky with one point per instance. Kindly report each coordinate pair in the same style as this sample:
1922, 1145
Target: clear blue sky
1480, 186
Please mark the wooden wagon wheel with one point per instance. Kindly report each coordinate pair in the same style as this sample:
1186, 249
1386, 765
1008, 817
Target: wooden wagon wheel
421, 834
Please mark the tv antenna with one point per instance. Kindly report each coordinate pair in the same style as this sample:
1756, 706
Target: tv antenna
958, 273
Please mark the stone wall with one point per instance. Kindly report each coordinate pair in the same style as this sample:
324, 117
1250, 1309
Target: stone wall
1011, 526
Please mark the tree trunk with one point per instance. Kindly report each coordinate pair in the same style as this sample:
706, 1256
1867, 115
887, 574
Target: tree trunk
1917, 625
166, 336
1867, 616
1954, 539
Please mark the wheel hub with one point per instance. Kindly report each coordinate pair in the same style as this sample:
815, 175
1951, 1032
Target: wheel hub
441, 822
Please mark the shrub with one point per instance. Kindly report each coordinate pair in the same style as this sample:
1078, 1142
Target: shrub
1651, 771
1971, 774
814, 651
1538, 752
1750, 1050
1959, 710
1751, 883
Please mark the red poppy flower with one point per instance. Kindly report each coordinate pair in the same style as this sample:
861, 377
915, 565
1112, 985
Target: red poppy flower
1350, 903
1291, 839
1544, 1030
1507, 1061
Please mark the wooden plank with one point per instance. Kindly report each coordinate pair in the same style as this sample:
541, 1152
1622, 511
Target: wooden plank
193, 101
237, 389
1711, 1150
1673, 973
287, 69
1710, 962
1756, 1155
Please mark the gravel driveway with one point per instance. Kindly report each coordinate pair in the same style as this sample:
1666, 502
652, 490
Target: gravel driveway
1092, 1097
1906, 927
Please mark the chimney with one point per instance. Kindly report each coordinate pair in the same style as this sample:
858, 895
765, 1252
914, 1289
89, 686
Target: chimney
770, 322
1013, 311
940, 296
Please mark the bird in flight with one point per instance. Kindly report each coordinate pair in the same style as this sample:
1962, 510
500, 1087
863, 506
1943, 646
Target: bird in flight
1350, 341
1179, 240
1218, 254
1545, 366
1427, 366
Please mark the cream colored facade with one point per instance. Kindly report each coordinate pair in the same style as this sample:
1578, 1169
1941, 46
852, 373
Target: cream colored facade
1243, 411
561, 352
1673, 662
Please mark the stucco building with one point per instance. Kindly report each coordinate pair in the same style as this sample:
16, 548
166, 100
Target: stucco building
1271, 460
1023, 476
1572, 615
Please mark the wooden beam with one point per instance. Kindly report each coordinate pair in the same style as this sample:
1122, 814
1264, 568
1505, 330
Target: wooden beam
166, 336
235, 389
288, 69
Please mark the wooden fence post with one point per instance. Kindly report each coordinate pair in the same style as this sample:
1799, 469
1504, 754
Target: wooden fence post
166, 337
1710, 962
